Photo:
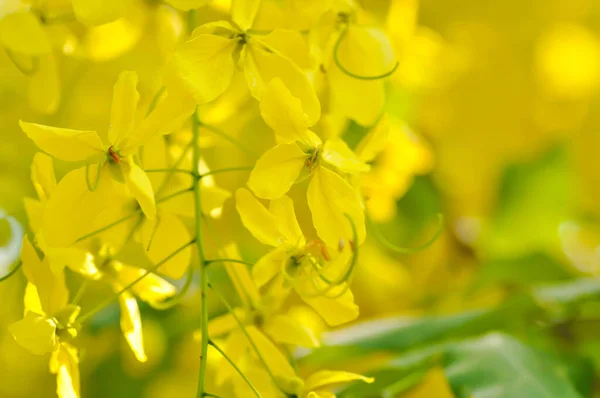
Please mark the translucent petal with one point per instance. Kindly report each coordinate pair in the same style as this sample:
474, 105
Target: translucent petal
283, 210
257, 219
287, 330
359, 100
36, 333
240, 277
299, 15
35, 212
290, 44
224, 324
235, 348
131, 325
366, 51
337, 310
262, 66
320, 394
44, 86
327, 378
374, 142
275, 359
72, 201
336, 153
22, 32
42, 175
243, 12
277, 170
205, 65
283, 112
187, 5
98, 12
151, 289
77, 259
32, 300
139, 185
64, 144
51, 287
161, 237
124, 103
268, 266
64, 362
330, 197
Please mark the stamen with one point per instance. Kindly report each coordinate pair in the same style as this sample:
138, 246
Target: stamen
114, 155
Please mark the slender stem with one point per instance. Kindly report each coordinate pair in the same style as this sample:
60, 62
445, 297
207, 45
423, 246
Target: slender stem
178, 298
109, 226
227, 260
169, 170
212, 343
152, 270
243, 328
207, 394
80, 292
174, 194
12, 272
226, 170
202, 257
175, 165
228, 138
154, 102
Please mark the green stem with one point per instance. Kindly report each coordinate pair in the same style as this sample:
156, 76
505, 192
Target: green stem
80, 292
175, 165
171, 170
207, 394
212, 343
12, 272
202, 257
226, 170
227, 260
174, 194
226, 137
405, 250
152, 270
109, 226
154, 102
178, 298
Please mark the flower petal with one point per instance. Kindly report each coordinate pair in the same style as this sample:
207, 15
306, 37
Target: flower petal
44, 86
64, 144
268, 266
64, 362
336, 153
131, 325
286, 330
124, 103
283, 210
161, 237
374, 142
283, 112
240, 277
243, 12
276, 361
187, 5
42, 175
22, 32
36, 333
205, 65
366, 51
333, 309
290, 44
330, 197
98, 12
151, 289
257, 219
326, 378
277, 170
140, 186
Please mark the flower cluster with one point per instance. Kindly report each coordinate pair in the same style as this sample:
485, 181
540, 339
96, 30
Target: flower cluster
309, 70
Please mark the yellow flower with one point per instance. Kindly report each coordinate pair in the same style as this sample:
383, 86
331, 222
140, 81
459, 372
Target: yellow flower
301, 154
114, 158
206, 64
49, 322
307, 267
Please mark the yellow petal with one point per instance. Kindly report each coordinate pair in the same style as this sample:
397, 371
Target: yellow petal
64, 144
257, 219
359, 100
36, 333
374, 142
140, 187
334, 310
336, 153
276, 361
111, 40
22, 32
223, 324
287, 330
72, 209
151, 289
131, 325
98, 12
325, 378
290, 44
283, 210
124, 103
32, 300
205, 65
42, 175
187, 5
366, 51
161, 237
64, 362
240, 277
283, 112
277, 170
235, 348
262, 66
35, 212
434, 384
77, 259
330, 197
51, 287
44, 86
269, 266
320, 394
243, 12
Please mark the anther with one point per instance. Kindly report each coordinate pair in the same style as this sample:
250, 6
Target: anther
114, 155
341, 245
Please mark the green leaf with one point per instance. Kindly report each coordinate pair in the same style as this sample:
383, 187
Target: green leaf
499, 366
